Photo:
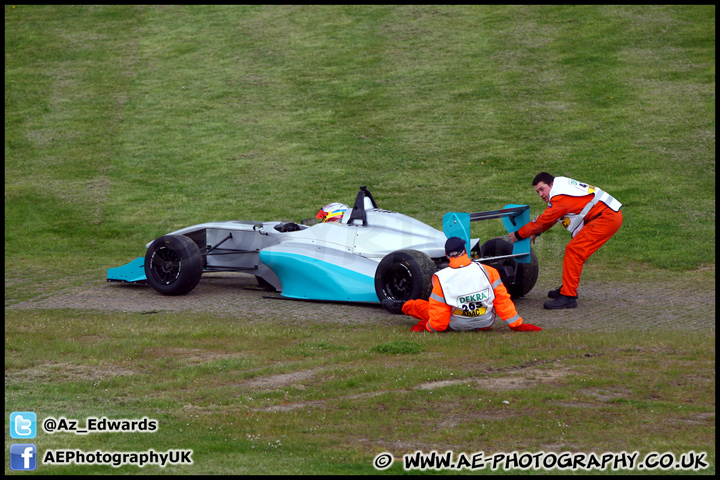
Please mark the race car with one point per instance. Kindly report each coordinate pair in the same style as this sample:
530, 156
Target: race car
369, 255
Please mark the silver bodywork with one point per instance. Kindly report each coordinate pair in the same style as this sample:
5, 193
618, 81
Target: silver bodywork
349, 247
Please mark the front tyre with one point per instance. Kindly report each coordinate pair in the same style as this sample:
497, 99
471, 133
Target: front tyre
173, 265
404, 275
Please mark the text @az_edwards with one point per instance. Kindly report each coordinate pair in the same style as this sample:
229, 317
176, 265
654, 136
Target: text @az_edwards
99, 425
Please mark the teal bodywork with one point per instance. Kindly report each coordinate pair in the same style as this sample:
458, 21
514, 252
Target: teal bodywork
513, 224
457, 224
133, 272
308, 278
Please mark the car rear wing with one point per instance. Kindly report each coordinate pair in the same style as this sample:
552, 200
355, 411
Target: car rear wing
457, 224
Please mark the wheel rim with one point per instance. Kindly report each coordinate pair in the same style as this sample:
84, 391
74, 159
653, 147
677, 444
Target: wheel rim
165, 265
398, 282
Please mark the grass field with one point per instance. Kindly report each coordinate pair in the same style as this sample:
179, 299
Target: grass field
123, 123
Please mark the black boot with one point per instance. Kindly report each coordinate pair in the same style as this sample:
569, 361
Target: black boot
561, 302
555, 293
393, 306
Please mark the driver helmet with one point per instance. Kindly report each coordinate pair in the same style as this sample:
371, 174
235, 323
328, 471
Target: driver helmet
332, 212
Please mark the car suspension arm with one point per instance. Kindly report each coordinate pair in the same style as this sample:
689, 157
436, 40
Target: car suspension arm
218, 244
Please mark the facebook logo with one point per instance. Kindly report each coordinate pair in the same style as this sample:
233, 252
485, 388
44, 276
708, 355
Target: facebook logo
23, 425
23, 456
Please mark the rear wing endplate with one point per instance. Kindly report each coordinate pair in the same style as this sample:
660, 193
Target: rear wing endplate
456, 224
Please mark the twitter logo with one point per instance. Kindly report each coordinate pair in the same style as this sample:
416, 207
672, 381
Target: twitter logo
23, 425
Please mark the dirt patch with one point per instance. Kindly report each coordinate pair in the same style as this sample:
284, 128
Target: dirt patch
68, 372
607, 306
286, 407
452, 421
526, 378
518, 378
700, 418
605, 394
560, 447
188, 356
282, 380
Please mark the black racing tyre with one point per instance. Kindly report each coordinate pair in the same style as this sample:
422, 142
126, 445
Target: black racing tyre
404, 275
173, 265
527, 273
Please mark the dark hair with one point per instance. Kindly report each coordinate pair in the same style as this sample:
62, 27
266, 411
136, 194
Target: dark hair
544, 177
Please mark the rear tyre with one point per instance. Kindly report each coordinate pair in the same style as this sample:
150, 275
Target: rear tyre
173, 265
404, 275
527, 273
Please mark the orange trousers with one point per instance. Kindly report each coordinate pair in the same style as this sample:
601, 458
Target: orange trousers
420, 309
592, 236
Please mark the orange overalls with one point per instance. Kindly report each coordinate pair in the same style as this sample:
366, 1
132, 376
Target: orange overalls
601, 223
437, 313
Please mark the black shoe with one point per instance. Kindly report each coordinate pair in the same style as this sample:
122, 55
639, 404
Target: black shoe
393, 306
555, 293
561, 302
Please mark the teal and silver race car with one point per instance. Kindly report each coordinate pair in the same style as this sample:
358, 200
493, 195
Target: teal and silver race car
370, 255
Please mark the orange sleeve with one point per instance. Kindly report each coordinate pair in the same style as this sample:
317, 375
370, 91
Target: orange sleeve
558, 208
503, 305
439, 311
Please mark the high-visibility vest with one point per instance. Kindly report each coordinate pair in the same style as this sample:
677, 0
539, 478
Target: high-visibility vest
574, 222
469, 292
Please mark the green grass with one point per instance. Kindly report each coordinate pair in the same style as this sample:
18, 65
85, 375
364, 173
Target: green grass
247, 398
123, 123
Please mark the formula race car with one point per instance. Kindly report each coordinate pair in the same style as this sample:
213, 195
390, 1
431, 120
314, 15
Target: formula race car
368, 256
